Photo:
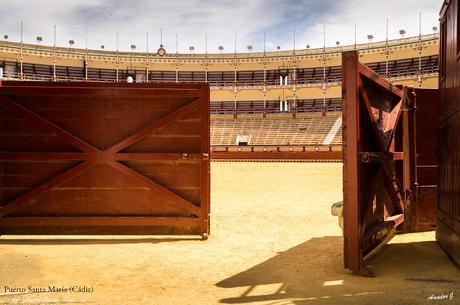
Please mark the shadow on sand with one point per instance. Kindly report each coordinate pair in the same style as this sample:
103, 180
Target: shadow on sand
312, 273
66, 240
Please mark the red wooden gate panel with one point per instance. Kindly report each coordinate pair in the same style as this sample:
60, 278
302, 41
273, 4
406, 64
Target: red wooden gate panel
448, 231
420, 161
91, 158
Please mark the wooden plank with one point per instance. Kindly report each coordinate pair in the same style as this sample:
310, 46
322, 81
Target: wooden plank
158, 156
178, 201
98, 92
28, 197
43, 156
170, 174
163, 122
42, 122
397, 219
108, 85
96, 221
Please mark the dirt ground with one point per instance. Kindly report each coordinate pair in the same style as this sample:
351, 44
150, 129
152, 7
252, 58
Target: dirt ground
273, 241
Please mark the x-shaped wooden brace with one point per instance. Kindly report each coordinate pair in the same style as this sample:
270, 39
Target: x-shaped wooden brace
385, 156
91, 156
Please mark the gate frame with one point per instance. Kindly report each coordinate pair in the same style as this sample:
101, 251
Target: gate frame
358, 243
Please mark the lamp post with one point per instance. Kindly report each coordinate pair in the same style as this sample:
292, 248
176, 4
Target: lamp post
130, 78
402, 33
435, 30
370, 37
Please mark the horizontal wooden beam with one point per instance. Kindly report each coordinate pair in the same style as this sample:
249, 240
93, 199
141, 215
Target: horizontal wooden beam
397, 219
97, 221
72, 156
158, 156
100, 91
109, 85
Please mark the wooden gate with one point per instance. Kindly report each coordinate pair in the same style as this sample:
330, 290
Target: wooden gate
92, 158
448, 232
420, 141
389, 180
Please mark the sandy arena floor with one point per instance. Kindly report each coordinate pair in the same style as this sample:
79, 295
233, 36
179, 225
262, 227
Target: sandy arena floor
273, 241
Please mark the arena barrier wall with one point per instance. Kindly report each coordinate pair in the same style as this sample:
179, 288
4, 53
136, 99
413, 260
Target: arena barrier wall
331, 153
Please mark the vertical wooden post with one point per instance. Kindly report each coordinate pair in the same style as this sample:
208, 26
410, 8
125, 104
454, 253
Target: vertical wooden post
350, 95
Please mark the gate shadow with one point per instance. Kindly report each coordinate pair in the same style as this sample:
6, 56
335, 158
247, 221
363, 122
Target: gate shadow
65, 240
312, 273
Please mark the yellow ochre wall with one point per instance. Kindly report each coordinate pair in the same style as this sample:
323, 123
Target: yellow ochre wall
414, 47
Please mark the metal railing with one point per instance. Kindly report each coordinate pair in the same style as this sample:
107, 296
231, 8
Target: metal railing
303, 82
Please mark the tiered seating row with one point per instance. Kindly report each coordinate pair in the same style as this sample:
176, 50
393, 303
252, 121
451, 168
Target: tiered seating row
277, 129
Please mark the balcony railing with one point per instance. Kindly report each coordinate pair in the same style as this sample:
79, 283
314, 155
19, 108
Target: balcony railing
270, 84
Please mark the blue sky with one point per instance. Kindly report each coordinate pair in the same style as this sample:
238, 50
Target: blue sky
219, 19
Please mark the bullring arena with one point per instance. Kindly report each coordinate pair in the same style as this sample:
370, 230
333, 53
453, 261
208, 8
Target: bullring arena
291, 253
217, 178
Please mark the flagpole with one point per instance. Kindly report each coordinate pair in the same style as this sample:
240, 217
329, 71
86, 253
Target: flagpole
324, 68
118, 58
21, 76
147, 59
386, 52
54, 54
86, 53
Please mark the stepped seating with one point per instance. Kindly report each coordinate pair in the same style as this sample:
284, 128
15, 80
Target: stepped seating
276, 129
338, 138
